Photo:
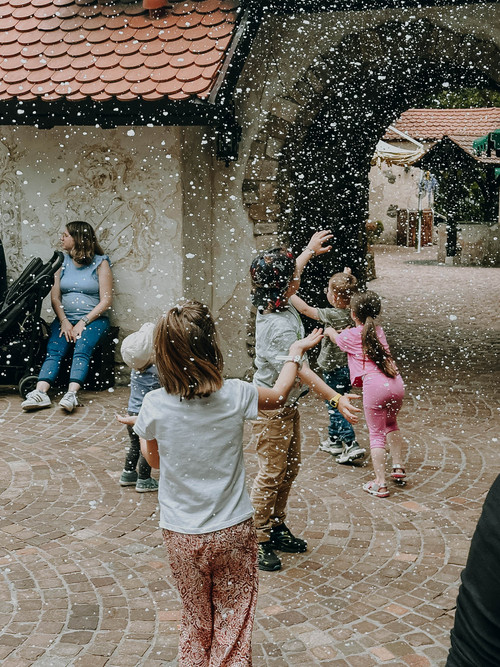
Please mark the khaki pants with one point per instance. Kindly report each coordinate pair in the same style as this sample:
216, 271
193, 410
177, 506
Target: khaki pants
278, 452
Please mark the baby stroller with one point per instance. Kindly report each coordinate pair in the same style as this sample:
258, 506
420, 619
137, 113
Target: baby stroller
23, 332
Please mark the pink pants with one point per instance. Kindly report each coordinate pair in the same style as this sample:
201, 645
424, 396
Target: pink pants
382, 400
217, 578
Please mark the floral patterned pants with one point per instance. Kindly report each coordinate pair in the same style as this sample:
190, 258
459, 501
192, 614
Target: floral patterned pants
217, 578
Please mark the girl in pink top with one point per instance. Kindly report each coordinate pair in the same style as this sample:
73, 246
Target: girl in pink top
372, 367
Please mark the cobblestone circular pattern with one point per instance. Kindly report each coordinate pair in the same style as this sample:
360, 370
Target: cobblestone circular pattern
83, 578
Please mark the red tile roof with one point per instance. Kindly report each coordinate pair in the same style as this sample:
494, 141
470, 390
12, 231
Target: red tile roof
90, 49
431, 124
465, 143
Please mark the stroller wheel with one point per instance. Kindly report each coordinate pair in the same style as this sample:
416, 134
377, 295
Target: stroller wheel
27, 384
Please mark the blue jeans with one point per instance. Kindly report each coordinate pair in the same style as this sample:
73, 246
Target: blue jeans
83, 348
339, 428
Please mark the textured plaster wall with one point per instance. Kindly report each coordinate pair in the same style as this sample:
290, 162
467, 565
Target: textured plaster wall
125, 182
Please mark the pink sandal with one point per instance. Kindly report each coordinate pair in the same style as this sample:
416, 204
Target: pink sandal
398, 472
375, 489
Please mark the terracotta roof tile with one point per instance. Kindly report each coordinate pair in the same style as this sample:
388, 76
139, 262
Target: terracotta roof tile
7, 22
152, 48
92, 87
164, 73
67, 12
189, 20
208, 6
14, 76
87, 49
72, 24
132, 61
88, 75
39, 75
437, 123
30, 50
12, 49
35, 63
65, 75
23, 12
27, 38
78, 50
103, 49
177, 47
99, 36
138, 22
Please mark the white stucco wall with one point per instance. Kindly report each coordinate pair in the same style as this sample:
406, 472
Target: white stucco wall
125, 182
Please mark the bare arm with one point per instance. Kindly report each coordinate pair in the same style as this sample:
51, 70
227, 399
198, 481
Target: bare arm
331, 333
314, 247
304, 308
275, 397
56, 301
320, 388
105, 297
149, 449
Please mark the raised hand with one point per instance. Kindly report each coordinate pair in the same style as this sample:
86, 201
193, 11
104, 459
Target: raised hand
318, 239
298, 347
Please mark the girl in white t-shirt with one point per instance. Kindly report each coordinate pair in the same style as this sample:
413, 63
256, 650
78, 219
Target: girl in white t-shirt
193, 431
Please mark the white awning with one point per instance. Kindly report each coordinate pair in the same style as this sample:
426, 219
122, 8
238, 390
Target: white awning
394, 155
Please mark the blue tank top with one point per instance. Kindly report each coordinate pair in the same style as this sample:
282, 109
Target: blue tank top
80, 287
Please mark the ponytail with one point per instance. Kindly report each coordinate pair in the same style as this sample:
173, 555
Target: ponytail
366, 307
374, 349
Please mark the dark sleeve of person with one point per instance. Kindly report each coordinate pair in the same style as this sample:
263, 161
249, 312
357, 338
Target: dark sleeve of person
3, 274
475, 637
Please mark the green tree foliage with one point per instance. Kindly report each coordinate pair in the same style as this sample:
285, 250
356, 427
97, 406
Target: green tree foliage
464, 99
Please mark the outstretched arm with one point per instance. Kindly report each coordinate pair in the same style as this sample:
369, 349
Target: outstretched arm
304, 308
331, 333
345, 407
275, 397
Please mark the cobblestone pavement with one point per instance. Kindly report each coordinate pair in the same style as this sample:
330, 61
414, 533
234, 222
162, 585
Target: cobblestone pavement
83, 578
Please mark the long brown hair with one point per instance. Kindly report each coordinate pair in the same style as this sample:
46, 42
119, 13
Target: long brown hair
366, 306
86, 243
188, 357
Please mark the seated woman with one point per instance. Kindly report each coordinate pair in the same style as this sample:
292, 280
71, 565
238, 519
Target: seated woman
81, 297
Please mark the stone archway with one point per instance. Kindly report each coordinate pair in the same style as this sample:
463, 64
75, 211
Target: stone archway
332, 117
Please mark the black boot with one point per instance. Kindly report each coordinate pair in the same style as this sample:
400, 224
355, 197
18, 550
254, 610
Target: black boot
283, 540
268, 560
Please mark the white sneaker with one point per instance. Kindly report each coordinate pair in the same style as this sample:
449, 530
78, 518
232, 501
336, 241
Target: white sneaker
351, 453
331, 447
69, 401
35, 400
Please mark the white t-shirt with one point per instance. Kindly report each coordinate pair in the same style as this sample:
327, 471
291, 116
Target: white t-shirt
200, 442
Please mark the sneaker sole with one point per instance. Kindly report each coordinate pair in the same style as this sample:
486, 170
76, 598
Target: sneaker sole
145, 490
69, 408
333, 452
127, 483
287, 550
267, 568
29, 408
352, 458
